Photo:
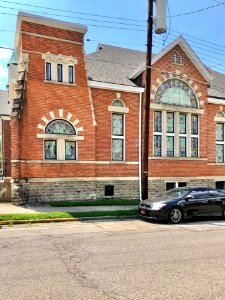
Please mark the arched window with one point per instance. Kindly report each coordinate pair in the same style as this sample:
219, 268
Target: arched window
60, 127
179, 59
220, 114
58, 130
176, 92
176, 130
174, 58
118, 102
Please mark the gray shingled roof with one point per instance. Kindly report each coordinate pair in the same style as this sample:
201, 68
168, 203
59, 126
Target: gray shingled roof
114, 64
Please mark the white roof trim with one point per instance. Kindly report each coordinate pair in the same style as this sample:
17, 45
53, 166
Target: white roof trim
22, 16
115, 87
189, 52
216, 101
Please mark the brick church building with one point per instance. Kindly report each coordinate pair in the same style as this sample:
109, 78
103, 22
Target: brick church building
75, 119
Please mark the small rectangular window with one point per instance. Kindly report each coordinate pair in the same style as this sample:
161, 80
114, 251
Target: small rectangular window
60, 72
182, 146
181, 184
219, 132
182, 124
157, 145
194, 147
70, 150
220, 153
220, 185
157, 121
71, 74
170, 146
117, 149
194, 124
109, 190
170, 185
117, 124
48, 72
170, 122
50, 150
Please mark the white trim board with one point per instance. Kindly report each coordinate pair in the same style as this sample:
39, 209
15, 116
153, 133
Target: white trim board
115, 87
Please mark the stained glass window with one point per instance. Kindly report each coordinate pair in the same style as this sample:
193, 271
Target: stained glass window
50, 149
220, 114
182, 123
117, 124
60, 72
194, 124
170, 122
117, 149
118, 102
170, 146
220, 153
176, 92
194, 147
157, 145
48, 75
182, 147
60, 127
157, 121
70, 150
219, 132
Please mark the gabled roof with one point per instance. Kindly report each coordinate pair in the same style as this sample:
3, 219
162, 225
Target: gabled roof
188, 51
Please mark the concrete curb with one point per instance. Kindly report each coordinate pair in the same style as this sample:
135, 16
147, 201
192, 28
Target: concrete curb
12, 222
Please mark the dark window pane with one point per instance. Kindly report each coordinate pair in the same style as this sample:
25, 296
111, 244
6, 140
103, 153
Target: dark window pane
157, 145
220, 153
194, 147
48, 74
219, 132
214, 193
70, 151
158, 121
182, 147
170, 146
170, 122
118, 102
220, 185
170, 185
60, 72
117, 124
109, 190
71, 80
182, 123
198, 194
194, 124
117, 149
50, 149
181, 184
60, 127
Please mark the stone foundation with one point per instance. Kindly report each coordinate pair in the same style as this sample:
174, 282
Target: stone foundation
45, 192
5, 190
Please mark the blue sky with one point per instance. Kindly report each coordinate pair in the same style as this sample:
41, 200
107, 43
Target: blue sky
204, 30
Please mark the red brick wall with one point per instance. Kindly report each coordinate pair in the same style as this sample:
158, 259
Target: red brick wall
6, 139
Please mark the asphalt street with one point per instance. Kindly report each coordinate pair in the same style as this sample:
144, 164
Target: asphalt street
113, 260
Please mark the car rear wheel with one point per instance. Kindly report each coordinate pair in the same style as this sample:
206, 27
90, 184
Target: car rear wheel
175, 215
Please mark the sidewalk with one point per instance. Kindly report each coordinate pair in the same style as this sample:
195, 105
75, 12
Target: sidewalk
8, 208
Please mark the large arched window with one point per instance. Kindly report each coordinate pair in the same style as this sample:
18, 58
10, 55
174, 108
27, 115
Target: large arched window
59, 145
60, 127
176, 92
176, 129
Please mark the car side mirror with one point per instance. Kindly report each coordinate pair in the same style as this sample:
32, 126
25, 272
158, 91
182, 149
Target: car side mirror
189, 197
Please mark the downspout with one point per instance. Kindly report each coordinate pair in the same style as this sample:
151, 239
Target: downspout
139, 155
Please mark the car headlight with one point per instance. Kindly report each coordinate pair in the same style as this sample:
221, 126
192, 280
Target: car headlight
158, 205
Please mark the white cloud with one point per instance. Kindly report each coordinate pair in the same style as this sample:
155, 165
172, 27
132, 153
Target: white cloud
5, 53
3, 71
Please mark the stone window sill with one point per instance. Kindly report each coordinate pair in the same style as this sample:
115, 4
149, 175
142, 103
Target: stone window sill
60, 83
176, 158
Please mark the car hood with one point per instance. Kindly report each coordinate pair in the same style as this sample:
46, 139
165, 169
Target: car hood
157, 199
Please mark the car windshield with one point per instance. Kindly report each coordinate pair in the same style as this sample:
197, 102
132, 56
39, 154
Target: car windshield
175, 193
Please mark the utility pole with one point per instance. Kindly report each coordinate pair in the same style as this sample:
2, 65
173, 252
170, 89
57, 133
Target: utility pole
146, 107
160, 27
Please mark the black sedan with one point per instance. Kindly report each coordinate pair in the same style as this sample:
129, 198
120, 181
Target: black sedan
179, 203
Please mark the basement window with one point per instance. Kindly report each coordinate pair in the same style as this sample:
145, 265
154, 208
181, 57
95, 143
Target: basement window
176, 184
109, 190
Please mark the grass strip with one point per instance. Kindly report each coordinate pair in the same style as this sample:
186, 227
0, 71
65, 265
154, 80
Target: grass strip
99, 202
54, 215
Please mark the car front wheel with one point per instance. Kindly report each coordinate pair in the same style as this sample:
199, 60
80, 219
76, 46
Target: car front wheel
175, 215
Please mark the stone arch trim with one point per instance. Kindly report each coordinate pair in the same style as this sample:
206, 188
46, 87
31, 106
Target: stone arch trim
177, 75
59, 114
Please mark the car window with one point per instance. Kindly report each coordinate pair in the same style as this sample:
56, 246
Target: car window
199, 194
175, 193
214, 193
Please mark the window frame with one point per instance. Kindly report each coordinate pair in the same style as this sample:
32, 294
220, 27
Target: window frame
170, 134
157, 133
73, 74
221, 143
118, 137
66, 141
61, 66
47, 63
56, 150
